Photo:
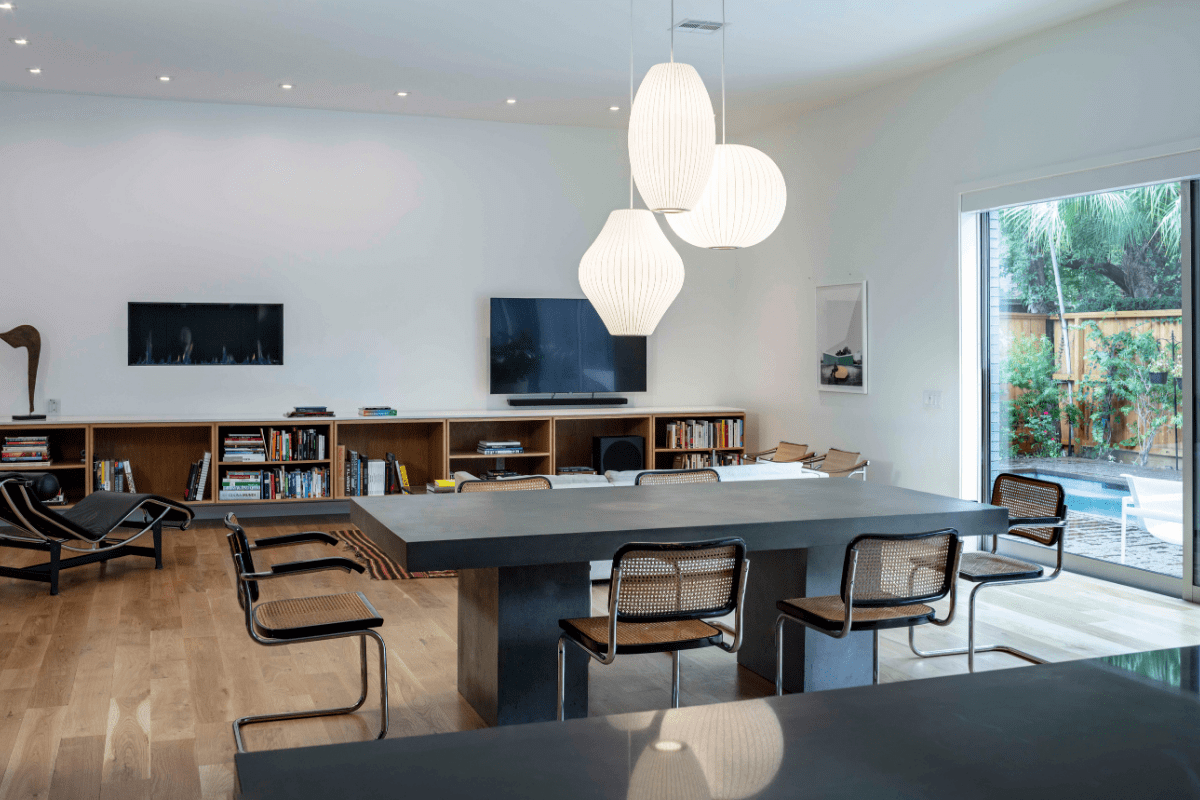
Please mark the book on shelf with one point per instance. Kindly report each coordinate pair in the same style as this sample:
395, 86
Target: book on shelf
310, 411
397, 476
275, 484
244, 447
440, 486
296, 444
128, 470
497, 443
702, 460
500, 451
376, 477
29, 451
377, 411
702, 434
493, 474
113, 475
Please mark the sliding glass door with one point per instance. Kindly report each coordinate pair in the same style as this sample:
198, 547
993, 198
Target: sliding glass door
1087, 355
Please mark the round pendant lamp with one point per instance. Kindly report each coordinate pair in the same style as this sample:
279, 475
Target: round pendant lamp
745, 197
631, 273
742, 204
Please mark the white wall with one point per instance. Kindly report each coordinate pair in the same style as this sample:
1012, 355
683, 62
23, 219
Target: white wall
873, 194
383, 236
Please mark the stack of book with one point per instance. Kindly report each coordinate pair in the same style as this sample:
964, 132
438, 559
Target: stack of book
28, 451
701, 434
377, 411
275, 484
296, 445
496, 474
499, 448
440, 486
198, 479
113, 476
245, 447
310, 411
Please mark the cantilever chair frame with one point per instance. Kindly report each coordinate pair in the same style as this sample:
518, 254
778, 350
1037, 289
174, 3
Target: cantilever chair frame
247, 593
1058, 521
849, 572
41, 528
807, 457
614, 595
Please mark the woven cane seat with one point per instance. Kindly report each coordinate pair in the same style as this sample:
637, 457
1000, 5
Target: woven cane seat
677, 476
984, 567
316, 616
829, 613
641, 637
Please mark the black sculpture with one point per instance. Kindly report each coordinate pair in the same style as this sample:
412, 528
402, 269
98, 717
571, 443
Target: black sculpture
28, 337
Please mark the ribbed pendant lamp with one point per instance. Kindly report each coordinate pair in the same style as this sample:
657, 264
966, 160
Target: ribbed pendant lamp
671, 135
745, 197
631, 273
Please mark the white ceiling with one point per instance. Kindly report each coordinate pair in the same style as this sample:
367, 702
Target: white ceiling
565, 61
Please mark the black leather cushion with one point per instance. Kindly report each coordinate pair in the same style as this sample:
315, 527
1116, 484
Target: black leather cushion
100, 513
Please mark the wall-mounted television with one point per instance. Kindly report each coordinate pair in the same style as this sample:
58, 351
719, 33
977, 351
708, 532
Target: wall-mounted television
546, 346
188, 334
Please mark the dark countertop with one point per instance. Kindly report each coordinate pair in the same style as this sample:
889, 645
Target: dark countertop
1122, 727
497, 529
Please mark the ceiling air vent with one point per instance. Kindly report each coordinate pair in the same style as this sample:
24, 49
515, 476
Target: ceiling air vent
698, 26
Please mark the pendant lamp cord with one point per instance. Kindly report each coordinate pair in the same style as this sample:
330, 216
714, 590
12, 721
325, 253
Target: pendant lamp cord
631, 93
672, 31
722, 70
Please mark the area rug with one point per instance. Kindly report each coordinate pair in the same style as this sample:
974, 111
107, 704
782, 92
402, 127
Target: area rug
379, 565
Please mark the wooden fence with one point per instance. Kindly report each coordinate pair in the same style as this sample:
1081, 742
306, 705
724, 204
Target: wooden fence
1162, 324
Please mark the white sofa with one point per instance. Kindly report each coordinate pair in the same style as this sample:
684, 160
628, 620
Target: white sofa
762, 471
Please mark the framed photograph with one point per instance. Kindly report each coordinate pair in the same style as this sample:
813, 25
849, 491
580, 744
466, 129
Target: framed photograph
842, 337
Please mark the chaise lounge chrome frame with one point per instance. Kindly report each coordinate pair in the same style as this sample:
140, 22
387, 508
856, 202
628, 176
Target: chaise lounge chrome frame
86, 528
248, 595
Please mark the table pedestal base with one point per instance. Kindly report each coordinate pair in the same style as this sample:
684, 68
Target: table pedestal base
507, 632
811, 661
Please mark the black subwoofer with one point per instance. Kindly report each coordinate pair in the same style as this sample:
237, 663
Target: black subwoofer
618, 453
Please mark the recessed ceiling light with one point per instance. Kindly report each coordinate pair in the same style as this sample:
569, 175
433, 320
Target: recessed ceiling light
614, 108
285, 86
6, 6
35, 70
20, 42
401, 94
164, 78
511, 100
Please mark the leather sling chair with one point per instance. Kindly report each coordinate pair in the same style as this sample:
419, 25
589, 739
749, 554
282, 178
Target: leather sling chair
89, 527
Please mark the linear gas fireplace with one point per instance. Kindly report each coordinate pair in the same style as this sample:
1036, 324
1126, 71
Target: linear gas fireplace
163, 334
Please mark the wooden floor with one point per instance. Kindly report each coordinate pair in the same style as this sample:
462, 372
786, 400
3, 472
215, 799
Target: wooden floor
125, 684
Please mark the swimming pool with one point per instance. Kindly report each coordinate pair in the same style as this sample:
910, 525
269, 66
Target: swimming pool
1089, 497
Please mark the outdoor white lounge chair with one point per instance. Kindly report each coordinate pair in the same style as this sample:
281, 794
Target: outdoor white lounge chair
1159, 505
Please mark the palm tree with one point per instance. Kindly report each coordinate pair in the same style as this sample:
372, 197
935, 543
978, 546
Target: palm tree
1134, 219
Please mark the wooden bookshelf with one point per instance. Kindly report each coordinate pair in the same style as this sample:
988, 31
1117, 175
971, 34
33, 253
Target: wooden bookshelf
161, 452
664, 456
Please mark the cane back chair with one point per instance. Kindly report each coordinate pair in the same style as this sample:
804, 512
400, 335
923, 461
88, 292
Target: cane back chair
89, 527
677, 476
304, 619
1037, 512
530, 483
888, 580
663, 598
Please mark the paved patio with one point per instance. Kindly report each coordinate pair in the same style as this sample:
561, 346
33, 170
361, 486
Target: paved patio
1097, 536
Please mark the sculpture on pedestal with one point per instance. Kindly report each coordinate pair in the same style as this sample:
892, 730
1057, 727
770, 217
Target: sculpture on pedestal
28, 337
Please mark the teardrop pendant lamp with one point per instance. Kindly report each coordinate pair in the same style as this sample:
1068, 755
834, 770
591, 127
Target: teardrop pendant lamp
631, 273
671, 135
745, 197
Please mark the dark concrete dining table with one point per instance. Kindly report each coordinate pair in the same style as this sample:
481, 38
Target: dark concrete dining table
523, 564
1116, 728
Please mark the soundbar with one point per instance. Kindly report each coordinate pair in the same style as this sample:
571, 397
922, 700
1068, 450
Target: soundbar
568, 401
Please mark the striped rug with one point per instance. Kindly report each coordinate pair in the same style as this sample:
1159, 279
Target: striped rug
379, 565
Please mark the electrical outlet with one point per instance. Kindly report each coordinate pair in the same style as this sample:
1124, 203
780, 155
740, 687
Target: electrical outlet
52, 407
932, 398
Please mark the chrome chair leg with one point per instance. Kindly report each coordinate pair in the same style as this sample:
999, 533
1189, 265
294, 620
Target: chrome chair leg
674, 679
562, 675
779, 655
971, 649
329, 712
875, 667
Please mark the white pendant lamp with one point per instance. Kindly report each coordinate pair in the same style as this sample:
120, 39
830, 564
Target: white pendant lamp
745, 197
631, 273
671, 135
